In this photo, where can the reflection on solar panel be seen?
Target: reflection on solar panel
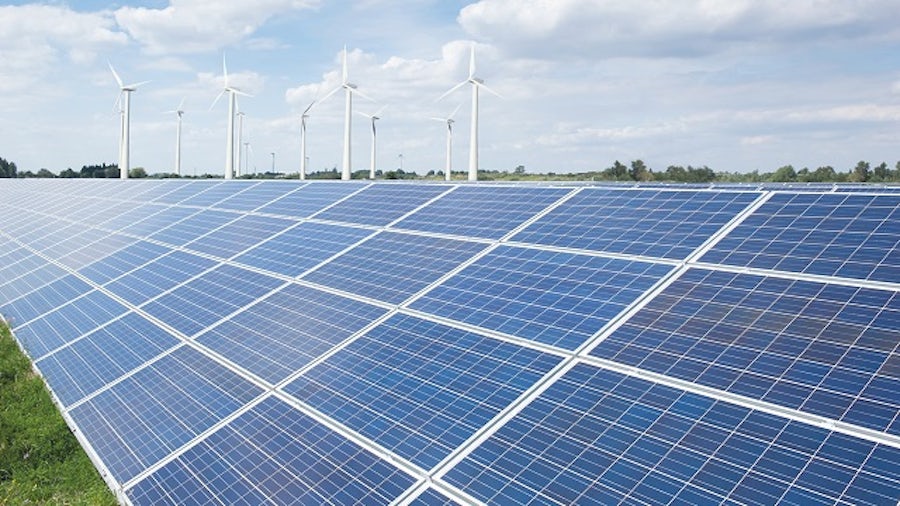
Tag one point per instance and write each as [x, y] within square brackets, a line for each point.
[553, 298]
[656, 223]
[599, 437]
[830, 350]
[846, 235]
[252, 342]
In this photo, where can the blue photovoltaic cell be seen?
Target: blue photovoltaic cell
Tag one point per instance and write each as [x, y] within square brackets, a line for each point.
[310, 199]
[156, 277]
[381, 204]
[185, 190]
[277, 453]
[482, 211]
[103, 356]
[43, 300]
[157, 221]
[549, 297]
[193, 227]
[420, 388]
[825, 349]
[37, 273]
[88, 253]
[239, 235]
[122, 261]
[656, 223]
[431, 497]
[217, 193]
[204, 301]
[126, 215]
[257, 196]
[598, 437]
[302, 248]
[391, 267]
[67, 323]
[286, 331]
[846, 235]
[151, 413]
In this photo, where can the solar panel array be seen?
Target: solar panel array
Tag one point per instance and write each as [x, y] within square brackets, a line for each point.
[250, 342]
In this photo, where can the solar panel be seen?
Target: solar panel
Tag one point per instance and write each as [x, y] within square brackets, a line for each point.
[275, 453]
[248, 342]
[554, 298]
[373, 268]
[829, 350]
[479, 211]
[381, 204]
[420, 388]
[846, 235]
[600, 437]
[656, 223]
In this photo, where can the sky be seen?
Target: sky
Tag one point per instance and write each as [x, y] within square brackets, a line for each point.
[736, 85]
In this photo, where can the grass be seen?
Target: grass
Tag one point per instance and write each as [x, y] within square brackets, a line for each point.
[41, 462]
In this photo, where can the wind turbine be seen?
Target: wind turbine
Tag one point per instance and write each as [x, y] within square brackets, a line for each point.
[125, 126]
[232, 103]
[303, 139]
[373, 117]
[179, 112]
[449, 120]
[476, 83]
[349, 89]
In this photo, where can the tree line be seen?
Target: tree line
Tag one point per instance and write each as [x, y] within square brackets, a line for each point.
[636, 171]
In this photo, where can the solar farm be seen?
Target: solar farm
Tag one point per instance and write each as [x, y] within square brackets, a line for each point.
[275, 342]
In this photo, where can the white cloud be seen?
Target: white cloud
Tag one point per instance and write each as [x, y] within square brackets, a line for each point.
[35, 38]
[654, 28]
[192, 26]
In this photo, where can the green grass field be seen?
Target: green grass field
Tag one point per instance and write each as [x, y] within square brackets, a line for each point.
[41, 462]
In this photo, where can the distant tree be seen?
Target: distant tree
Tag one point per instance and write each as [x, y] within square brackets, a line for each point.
[111, 172]
[785, 174]
[45, 173]
[520, 169]
[8, 169]
[68, 173]
[640, 172]
[860, 173]
[618, 172]
[137, 172]
[675, 173]
[881, 173]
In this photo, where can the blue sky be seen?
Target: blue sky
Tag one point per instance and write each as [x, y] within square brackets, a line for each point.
[736, 85]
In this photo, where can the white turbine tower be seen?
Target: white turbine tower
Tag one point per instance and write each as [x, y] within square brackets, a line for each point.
[303, 118]
[179, 112]
[240, 116]
[373, 117]
[449, 120]
[125, 125]
[232, 102]
[349, 90]
[476, 83]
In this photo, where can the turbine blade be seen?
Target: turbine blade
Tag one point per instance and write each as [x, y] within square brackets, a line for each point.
[345, 73]
[381, 110]
[181, 104]
[438, 119]
[370, 116]
[118, 104]
[239, 92]
[116, 75]
[484, 86]
[330, 93]
[224, 70]
[216, 101]
[136, 85]
[454, 111]
[472, 62]
[309, 107]
[451, 90]
[363, 95]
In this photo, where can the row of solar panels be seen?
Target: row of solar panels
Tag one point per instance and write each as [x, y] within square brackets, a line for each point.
[338, 342]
